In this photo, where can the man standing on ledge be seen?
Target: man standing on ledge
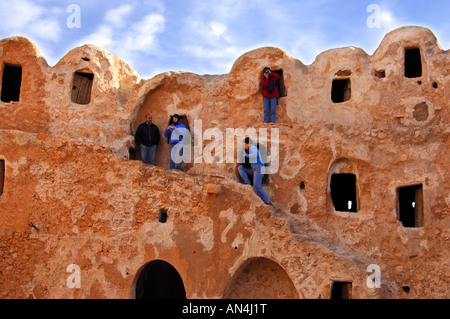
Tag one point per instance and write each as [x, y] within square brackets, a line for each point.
[147, 136]
[270, 94]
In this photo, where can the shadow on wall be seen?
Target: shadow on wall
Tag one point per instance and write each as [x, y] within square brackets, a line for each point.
[261, 278]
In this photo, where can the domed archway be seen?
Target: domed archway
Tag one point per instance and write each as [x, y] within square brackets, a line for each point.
[158, 280]
[261, 278]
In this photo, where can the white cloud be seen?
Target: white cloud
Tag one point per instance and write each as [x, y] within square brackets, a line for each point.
[217, 29]
[119, 35]
[116, 16]
[143, 35]
[29, 19]
[103, 37]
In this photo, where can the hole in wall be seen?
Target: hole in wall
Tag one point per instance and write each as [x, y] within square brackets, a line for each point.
[410, 205]
[11, 83]
[162, 215]
[435, 85]
[380, 74]
[344, 193]
[341, 90]
[413, 63]
[341, 290]
[406, 289]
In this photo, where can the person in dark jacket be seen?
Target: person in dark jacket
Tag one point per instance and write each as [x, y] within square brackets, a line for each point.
[270, 94]
[147, 136]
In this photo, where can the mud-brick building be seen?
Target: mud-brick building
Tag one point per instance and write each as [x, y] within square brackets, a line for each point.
[360, 186]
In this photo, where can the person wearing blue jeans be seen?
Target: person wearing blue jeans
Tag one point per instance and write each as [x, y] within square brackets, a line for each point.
[148, 154]
[176, 155]
[271, 94]
[270, 109]
[175, 133]
[251, 154]
[147, 137]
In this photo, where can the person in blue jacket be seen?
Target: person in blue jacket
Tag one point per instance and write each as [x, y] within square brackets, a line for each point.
[175, 133]
[251, 153]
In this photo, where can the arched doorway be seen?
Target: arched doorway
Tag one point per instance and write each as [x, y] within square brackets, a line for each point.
[159, 280]
[261, 278]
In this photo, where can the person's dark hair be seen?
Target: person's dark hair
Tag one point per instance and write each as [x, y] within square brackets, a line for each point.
[248, 140]
[171, 119]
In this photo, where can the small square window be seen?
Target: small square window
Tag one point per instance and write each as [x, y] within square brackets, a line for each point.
[341, 90]
[344, 193]
[410, 205]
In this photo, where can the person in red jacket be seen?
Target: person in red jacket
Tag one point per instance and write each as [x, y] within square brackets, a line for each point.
[270, 94]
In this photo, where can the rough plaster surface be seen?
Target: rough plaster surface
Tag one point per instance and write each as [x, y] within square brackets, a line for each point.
[72, 196]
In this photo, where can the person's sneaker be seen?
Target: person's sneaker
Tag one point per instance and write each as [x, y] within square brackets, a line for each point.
[269, 203]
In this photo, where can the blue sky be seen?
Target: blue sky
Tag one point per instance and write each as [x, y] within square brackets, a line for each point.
[207, 36]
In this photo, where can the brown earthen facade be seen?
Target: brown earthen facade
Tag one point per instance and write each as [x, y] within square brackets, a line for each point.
[73, 205]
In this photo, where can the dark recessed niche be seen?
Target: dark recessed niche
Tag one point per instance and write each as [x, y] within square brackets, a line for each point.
[162, 215]
[380, 74]
[11, 83]
[344, 193]
[341, 90]
[159, 280]
[341, 290]
[413, 63]
[410, 205]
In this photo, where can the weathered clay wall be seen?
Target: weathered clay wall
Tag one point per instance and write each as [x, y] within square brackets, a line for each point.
[31, 113]
[67, 173]
[101, 214]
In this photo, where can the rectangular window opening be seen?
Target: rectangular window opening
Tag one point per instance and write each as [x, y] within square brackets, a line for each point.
[2, 176]
[341, 290]
[410, 205]
[413, 63]
[344, 193]
[341, 90]
[11, 82]
[82, 87]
